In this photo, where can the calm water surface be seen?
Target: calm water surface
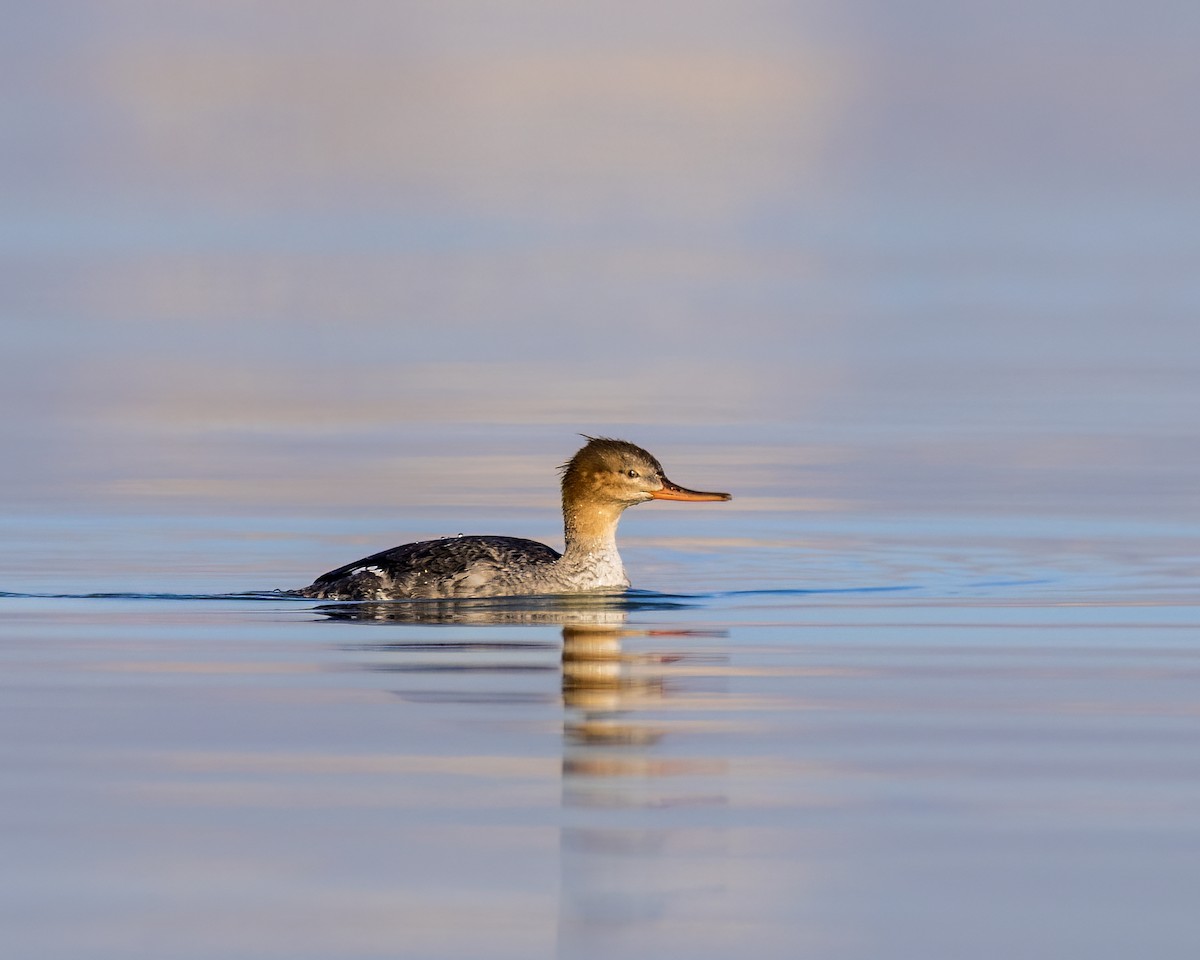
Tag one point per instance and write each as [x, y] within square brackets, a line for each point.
[992, 756]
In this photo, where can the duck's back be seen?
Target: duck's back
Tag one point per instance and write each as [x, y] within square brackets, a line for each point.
[454, 567]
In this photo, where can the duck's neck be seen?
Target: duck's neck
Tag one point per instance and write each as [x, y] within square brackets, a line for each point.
[590, 560]
[590, 528]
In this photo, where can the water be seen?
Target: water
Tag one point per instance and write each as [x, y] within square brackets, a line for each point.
[281, 288]
[963, 766]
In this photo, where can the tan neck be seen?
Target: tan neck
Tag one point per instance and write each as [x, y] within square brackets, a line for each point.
[591, 527]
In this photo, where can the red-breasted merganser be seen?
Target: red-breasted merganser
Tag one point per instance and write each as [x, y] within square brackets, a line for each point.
[598, 483]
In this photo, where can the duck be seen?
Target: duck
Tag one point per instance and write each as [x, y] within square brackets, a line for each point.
[599, 483]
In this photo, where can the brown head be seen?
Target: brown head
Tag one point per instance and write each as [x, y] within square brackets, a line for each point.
[607, 471]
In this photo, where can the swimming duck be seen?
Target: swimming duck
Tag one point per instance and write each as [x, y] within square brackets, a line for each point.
[604, 478]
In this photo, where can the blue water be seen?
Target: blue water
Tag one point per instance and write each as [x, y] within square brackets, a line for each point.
[841, 730]
[986, 773]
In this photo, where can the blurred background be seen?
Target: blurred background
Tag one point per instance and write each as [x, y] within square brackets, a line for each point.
[338, 264]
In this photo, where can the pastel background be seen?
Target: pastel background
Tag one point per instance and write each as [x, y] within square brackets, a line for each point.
[291, 256]
[285, 283]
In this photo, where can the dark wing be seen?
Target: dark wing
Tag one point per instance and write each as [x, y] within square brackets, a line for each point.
[415, 568]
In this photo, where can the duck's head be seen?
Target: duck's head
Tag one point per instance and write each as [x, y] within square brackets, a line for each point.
[614, 471]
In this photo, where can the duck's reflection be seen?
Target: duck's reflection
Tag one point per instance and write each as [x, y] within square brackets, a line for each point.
[601, 684]
[601, 609]
[623, 787]
[633, 803]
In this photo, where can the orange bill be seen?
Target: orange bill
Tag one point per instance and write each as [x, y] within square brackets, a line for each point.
[670, 491]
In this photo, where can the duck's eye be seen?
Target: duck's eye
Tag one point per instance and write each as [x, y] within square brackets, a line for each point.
[632, 474]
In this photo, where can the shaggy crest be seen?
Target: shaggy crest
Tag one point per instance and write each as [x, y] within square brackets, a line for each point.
[608, 453]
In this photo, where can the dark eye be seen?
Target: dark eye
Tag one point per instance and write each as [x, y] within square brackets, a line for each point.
[632, 474]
